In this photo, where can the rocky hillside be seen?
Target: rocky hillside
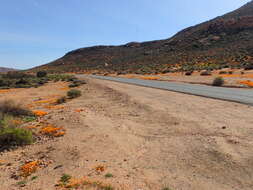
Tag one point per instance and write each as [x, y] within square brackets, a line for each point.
[4, 69]
[226, 41]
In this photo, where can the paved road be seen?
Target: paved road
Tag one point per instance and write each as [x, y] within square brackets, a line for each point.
[244, 96]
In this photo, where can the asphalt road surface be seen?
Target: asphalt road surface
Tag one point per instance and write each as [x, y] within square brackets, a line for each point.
[239, 95]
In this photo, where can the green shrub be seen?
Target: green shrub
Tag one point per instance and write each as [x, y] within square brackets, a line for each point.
[10, 136]
[28, 119]
[6, 121]
[108, 175]
[41, 74]
[74, 93]
[218, 81]
[65, 178]
[11, 108]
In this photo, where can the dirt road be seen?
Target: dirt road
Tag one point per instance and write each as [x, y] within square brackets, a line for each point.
[148, 139]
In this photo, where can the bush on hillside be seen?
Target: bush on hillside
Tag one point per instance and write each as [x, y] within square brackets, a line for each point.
[41, 74]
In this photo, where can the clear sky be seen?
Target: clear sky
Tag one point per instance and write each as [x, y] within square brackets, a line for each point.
[35, 32]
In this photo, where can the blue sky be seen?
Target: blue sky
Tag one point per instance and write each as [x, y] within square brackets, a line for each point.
[35, 32]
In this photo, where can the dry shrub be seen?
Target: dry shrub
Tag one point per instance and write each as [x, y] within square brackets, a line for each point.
[188, 73]
[218, 81]
[61, 100]
[11, 108]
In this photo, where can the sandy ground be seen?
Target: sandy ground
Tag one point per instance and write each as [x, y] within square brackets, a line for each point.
[147, 138]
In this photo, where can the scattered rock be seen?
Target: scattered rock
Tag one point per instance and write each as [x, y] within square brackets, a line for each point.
[57, 167]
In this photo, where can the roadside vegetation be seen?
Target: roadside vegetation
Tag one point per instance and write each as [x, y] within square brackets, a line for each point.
[17, 79]
[74, 93]
[218, 81]
[11, 116]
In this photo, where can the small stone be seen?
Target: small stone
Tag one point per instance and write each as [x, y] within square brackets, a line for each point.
[59, 166]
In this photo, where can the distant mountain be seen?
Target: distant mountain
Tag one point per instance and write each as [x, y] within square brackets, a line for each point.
[4, 69]
[224, 41]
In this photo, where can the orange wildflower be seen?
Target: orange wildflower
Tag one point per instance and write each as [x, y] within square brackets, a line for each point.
[79, 110]
[51, 130]
[40, 113]
[4, 91]
[247, 83]
[59, 134]
[29, 168]
[150, 78]
[100, 168]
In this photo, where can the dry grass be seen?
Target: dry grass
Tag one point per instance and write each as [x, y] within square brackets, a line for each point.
[11, 108]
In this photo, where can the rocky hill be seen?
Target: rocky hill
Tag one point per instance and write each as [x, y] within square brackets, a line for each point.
[226, 41]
